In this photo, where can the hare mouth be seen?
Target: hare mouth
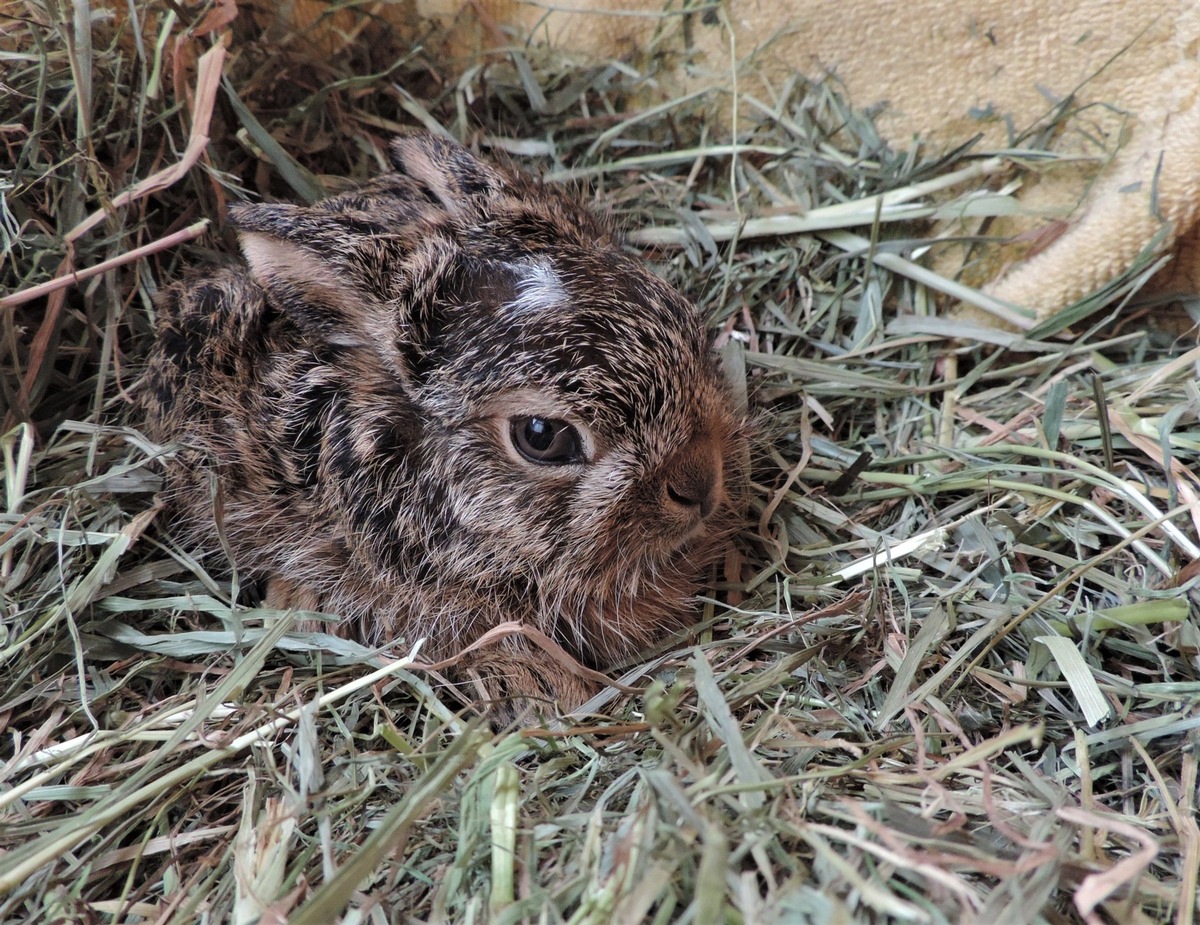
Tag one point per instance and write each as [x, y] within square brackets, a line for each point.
[678, 551]
[688, 535]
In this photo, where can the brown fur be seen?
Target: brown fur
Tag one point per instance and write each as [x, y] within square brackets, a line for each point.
[351, 392]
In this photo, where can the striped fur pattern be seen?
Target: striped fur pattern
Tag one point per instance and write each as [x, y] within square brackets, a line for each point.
[346, 404]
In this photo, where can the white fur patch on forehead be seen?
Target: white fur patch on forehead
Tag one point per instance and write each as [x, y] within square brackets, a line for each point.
[539, 287]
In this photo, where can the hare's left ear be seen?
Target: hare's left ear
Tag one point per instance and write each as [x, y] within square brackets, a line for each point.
[448, 173]
[339, 283]
[300, 257]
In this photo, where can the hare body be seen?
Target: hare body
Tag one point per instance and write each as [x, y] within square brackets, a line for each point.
[444, 401]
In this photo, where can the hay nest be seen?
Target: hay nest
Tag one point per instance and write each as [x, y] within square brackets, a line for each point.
[950, 675]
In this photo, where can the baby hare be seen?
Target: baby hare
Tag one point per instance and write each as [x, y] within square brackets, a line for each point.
[444, 401]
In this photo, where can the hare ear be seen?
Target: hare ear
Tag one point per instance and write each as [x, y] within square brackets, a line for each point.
[342, 287]
[286, 243]
[447, 172]
[293, 254]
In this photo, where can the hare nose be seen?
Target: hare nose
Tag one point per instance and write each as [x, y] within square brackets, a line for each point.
[695, 478]
[694, 493]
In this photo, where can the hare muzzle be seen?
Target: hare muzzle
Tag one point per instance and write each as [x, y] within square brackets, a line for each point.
[694, 483]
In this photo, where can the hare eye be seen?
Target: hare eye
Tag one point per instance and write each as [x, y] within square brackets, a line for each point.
[546, 441]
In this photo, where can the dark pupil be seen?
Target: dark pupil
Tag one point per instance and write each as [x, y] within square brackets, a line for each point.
[546, 441]
[539, 434]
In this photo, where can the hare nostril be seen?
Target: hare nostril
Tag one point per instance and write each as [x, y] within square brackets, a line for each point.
[681, 498]
[693, 479]
[693, 495]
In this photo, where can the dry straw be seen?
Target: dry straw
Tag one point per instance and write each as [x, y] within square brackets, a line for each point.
[950, 675]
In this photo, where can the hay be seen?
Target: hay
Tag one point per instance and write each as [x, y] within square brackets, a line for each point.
[950, 675]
